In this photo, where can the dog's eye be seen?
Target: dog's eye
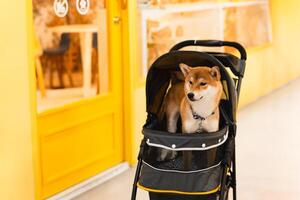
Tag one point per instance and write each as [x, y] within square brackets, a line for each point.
[203, 84]
[191, 82]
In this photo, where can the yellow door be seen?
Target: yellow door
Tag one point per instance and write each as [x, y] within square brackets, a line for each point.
[80, 136]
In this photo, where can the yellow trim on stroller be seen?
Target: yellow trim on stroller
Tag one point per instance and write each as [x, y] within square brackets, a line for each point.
[178, 192]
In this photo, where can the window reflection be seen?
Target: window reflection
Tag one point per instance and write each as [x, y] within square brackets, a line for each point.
[67, 49]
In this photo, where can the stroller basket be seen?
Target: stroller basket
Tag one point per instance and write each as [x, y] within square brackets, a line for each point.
[162, 169]
[169, 176]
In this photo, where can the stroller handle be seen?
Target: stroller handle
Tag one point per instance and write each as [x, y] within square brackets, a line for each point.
[211, 43]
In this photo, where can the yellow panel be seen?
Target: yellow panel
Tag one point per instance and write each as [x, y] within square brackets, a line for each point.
[77, 112]
[73, 154]
[76, 147]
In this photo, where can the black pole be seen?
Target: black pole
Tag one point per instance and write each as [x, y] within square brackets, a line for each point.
[223, 183]
[234, 154]
[136, 179]
[138, 169]
[238, 88]
[234, 175]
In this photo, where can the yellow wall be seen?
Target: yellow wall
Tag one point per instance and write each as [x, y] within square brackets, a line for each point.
[273, 65]
[268, 67]
[16, 103]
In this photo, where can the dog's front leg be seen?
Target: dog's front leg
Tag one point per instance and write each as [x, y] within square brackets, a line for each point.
[172, 118]
[163, 154]
[187, 155]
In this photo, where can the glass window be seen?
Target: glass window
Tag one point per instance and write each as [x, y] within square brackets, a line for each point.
[248, 24]
[164, 23]
[71, 50]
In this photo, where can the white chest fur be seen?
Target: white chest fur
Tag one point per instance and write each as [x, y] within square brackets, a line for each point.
[197, 125]
[205, 109]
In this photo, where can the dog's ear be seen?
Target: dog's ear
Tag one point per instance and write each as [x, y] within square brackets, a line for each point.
[184, 69]
[215, 72]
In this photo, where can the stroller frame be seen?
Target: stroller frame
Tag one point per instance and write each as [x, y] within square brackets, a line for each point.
[228, 177]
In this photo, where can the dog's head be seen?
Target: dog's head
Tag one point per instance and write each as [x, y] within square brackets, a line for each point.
[201, 82]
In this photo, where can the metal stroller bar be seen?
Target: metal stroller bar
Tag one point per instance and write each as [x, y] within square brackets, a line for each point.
[211, 43]
[138, 169]
[233, 156]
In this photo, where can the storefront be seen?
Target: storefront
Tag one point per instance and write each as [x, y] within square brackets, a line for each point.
[74, 114]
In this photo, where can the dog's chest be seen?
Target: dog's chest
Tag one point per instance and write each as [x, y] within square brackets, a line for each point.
[198, 125]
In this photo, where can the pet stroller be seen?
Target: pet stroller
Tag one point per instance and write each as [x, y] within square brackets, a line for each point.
[213, 170]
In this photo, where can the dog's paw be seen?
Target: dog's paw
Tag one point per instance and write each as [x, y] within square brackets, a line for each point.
[172, 155]
[163, 155]
[159, 159]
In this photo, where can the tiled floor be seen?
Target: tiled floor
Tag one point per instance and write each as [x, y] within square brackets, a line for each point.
[268, 158]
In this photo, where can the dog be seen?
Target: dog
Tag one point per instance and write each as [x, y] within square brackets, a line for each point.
[199, 109]
[193, 94]
[202, 89]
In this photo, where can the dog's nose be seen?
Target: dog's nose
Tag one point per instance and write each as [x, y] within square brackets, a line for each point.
[190, 95]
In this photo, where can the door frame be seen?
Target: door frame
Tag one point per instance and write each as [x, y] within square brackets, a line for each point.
[33, 102]
[130, 65]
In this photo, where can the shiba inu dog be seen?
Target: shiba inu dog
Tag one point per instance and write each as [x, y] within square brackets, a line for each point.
[195, 97]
